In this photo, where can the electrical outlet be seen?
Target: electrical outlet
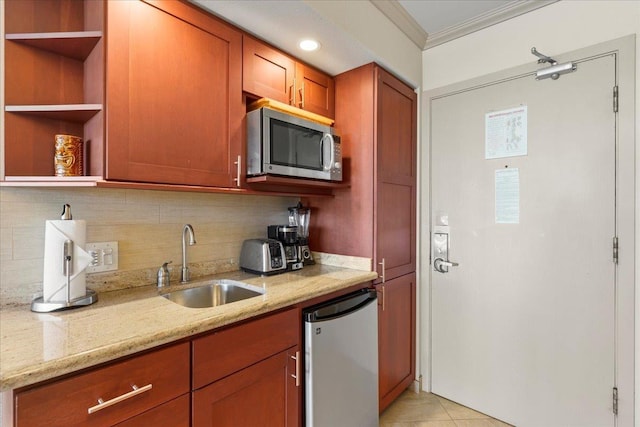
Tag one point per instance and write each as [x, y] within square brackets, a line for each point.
[105, 256]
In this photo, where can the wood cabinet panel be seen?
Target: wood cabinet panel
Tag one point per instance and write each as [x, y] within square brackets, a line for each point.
[315, 91]
[266, 72]
[176, 413]
[396, 337]
[175, 109]
[376, 115]
[40, 77]
[44, 16]
[396, 176]
[227, 351]
[264, 394]
[166, 370]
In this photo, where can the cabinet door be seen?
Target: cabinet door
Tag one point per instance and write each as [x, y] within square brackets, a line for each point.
[267, 72]
[396, 337]
[264, 394]
[395, 177]
[315, 91]
[174, 95]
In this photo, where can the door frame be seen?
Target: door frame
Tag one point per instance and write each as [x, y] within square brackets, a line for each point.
[626, 212]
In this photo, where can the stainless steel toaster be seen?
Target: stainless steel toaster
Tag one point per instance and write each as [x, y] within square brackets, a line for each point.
[263, 256]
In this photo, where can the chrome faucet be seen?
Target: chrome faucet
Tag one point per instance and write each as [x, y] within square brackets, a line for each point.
[192, 241]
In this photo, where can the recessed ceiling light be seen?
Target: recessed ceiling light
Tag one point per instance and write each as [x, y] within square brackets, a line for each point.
[309, 45]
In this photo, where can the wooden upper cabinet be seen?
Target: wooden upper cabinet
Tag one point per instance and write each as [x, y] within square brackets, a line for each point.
[396, 176]
[174, 95]
[376, 116]
[315, 91]
[269, 73]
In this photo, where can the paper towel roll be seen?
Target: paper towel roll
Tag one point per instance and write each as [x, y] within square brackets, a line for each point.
[54, 285]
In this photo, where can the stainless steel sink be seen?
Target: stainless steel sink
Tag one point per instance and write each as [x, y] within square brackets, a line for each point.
[214, 293]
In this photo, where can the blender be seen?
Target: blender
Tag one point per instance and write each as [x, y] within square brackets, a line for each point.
[299, 216]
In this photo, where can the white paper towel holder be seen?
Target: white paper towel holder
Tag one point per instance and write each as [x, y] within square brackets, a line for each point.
[39, 304]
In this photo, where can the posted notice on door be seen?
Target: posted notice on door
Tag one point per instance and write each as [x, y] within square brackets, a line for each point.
[507, 196]
[506, 133]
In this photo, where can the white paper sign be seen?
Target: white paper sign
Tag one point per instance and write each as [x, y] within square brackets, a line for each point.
[506, 133]
[507, 196]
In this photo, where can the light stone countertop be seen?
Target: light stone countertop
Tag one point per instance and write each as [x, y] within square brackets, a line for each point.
[36, 347]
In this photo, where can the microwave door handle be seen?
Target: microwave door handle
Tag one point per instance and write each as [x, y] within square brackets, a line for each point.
[332, 158]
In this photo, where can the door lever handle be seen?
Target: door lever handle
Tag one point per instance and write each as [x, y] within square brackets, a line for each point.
[442, 266]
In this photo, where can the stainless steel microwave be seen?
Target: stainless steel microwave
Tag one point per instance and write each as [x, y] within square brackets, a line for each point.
[282, 144]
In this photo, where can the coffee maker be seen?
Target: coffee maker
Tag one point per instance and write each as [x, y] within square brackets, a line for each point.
[288, 235]
[299, 217]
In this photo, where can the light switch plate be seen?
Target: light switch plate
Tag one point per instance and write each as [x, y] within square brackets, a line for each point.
[105, 256]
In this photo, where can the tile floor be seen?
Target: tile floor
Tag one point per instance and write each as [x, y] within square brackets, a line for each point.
[428, 410]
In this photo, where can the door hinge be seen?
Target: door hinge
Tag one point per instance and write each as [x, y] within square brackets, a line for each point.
[615, 99]
[615, 400]
[615, 250]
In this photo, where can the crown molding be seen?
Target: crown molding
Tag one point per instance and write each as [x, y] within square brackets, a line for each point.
[397, 14]
[394, 11]
[492, 17]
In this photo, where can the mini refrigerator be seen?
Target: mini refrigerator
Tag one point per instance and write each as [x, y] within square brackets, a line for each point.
[341, 361]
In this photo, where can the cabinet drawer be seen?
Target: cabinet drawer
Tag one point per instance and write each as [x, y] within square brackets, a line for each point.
[159, 376]
[222, 353]
[171, 414]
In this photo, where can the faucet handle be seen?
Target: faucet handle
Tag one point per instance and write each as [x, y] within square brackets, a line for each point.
[163, 275]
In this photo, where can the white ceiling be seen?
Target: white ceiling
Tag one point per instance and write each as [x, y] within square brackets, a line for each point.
[426, 22]
[437, 15]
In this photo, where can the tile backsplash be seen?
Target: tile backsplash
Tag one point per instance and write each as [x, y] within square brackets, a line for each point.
[147, 225]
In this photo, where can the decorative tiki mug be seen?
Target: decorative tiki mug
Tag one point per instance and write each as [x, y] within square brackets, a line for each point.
[68, 157]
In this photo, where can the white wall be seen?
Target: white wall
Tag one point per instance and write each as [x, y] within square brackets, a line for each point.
[560, 27]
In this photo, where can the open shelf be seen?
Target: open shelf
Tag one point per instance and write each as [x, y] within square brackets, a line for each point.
[79, 113]
[50, 181]
[54, 84]
[293, 185]
[76, 44]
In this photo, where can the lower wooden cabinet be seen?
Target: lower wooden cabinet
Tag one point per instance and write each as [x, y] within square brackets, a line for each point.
[249, 375]
[396, 337]
[264, 394]
[109, 395]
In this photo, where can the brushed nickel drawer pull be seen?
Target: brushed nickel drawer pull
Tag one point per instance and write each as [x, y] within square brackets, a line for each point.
[238, 163]
[136, 391]
[297, 374]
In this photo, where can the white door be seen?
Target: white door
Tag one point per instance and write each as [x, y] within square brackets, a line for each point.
[523, 328]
